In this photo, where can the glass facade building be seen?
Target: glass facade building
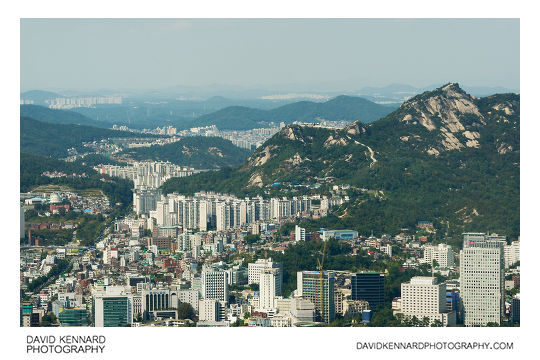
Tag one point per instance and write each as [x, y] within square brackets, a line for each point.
[368, 286]
[309, 287]
[73, 317]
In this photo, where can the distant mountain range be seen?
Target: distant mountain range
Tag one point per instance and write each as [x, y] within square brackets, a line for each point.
[187, 106]
[443, 156]
[341, 108]
[347, 108]
[53, 116]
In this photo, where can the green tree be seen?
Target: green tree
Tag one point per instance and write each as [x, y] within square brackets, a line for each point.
[48, 320]
[185, 311]
[252, 238]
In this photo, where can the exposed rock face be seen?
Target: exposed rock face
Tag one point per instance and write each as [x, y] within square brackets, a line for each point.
[471, 135]
[296, 159]
[436, 122]
[335, 141]
[355, 129]
[504, 148]
[503, 107]
[215, 151]
[449, 141]
[449, 111]
[255, 180]
[261, 158]
[290, 133]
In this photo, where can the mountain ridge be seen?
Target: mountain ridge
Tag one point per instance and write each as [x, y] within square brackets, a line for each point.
[200, 152]
[343, 107]
[443, 155]
[55, 116]
[50, 139]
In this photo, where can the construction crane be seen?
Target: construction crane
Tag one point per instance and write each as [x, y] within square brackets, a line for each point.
[320, 263]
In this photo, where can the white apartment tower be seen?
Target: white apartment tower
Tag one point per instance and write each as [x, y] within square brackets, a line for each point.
[299, 233]
[442, 253]
[482, 280]
[223, 216]
[269, 282]
[255, 269]
[203, 216]
[511, 254]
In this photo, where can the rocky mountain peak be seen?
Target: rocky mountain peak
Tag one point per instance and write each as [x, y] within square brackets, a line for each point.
[450, 113]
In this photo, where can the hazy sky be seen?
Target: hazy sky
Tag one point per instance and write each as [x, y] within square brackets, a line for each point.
[335, 54]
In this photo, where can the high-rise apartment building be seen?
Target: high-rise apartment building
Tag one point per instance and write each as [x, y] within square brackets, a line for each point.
[299, 233]
[511, 254]
[255, 269]
[145, 200]
[442, 253]
[268, 283]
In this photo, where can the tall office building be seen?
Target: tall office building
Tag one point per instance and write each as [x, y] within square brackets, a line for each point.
[269, 282]
[309, 287]
[255, 269]
[368, 286]
[214, 285]
[482, 279]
